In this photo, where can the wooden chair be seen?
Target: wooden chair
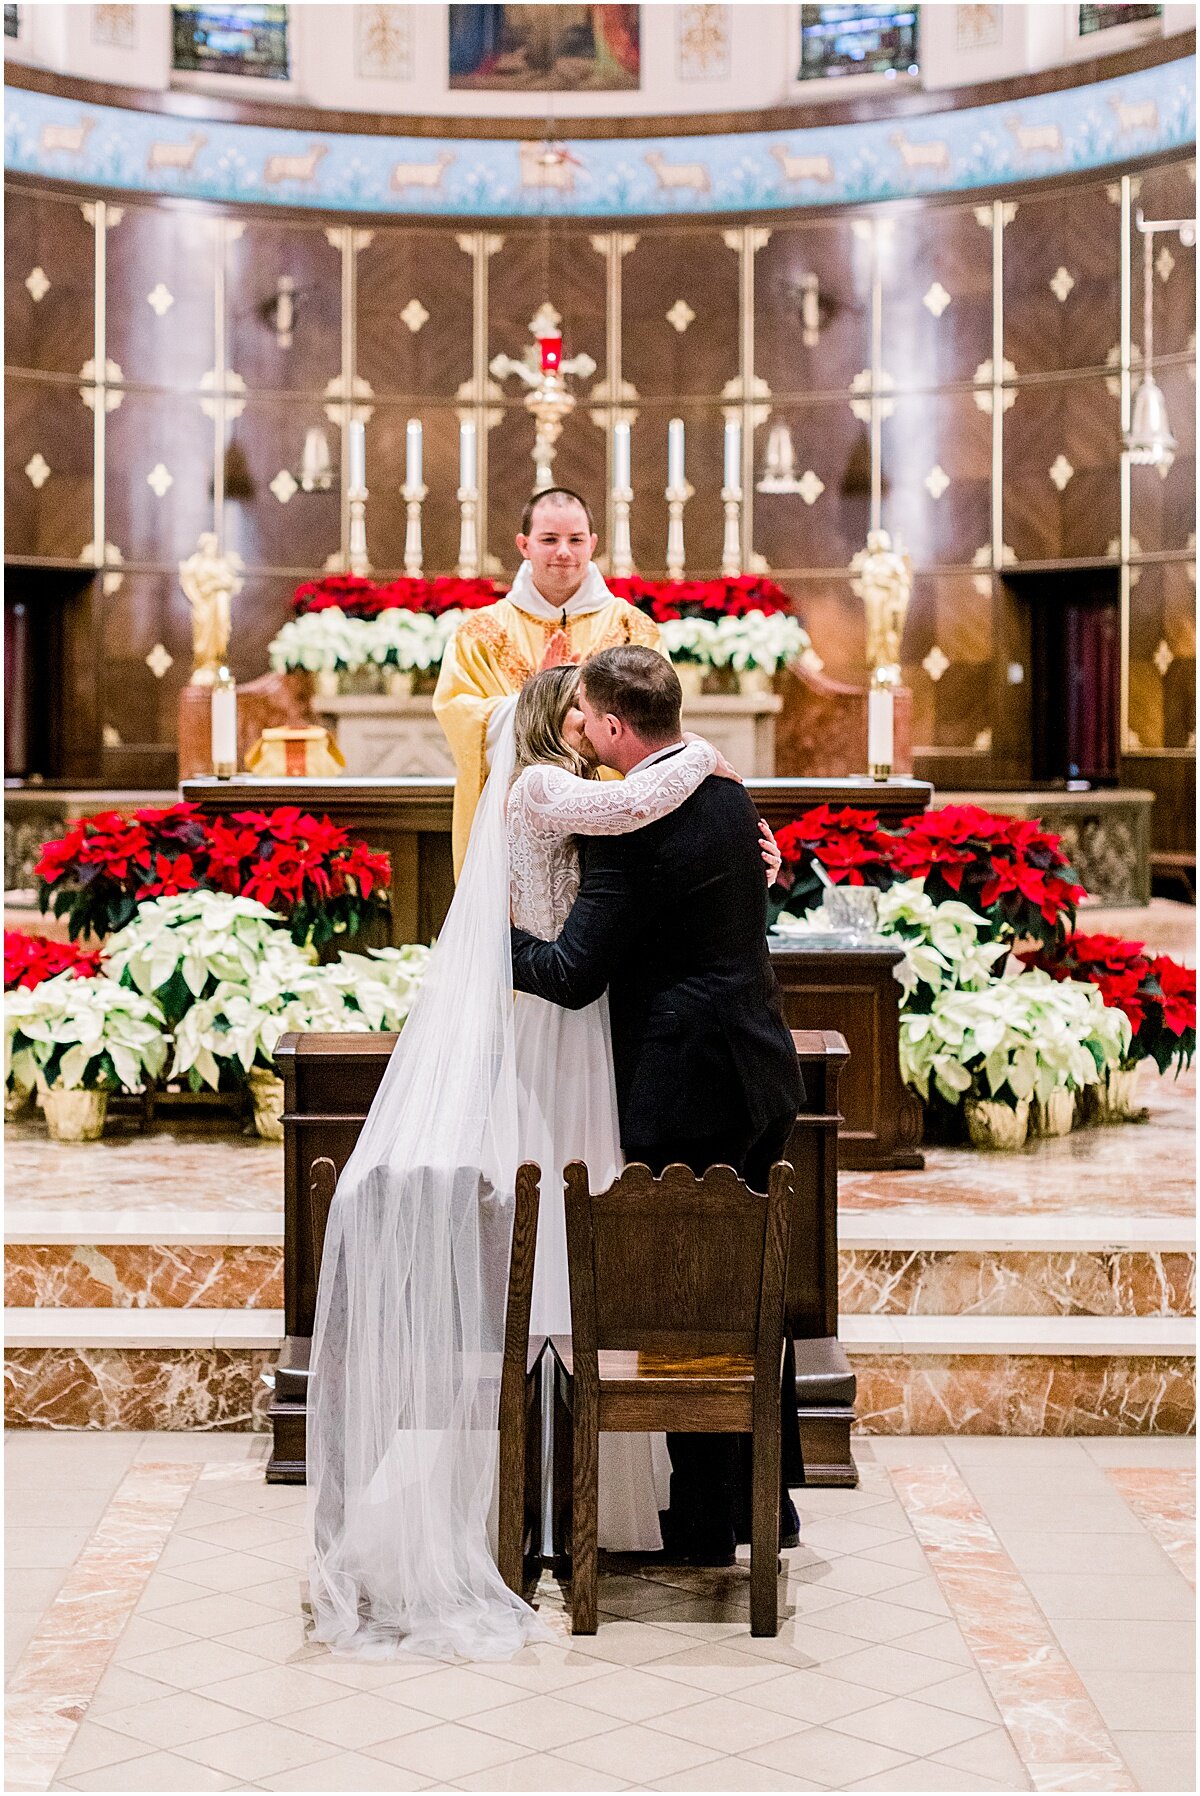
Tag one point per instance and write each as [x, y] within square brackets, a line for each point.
[677, 1293]
[519, 1475]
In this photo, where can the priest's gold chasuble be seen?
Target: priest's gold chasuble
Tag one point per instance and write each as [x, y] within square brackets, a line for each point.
[490, 657]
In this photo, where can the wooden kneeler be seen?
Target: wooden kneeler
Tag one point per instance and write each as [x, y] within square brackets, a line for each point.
[519, 1474]
[677, 1297]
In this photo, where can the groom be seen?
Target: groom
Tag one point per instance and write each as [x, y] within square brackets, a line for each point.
[671, 921]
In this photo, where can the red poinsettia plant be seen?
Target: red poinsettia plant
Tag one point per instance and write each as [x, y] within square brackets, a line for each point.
[1008, 869]
[665, 600]
[28, 959]
[306, 868]
[359, 597]
[1157, 994]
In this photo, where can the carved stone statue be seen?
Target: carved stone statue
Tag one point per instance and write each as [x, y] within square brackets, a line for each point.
[209, 581]
[884, 585]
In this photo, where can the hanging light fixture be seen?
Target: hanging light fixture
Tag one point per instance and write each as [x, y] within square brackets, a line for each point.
[1148, 441]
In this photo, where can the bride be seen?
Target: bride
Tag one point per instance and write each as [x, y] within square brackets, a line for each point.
[403, 1396]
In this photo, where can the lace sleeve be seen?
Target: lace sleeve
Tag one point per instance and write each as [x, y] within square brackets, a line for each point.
[557, 803]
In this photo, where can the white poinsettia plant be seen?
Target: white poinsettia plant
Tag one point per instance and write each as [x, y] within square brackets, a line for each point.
[1023, 1036]
[945, 945]
[759, 639]
[70, 1034]
[180, 948]
[380, 984]
[331, 642]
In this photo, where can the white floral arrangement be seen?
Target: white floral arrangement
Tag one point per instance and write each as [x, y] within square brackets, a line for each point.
[203, 938]
[945, 945]
[380, 984]
[1022, 1037]
[759, 639]
[70, 1034]
[331, 642]
[239, 1026]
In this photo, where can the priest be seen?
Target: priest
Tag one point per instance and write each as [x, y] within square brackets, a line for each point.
[557, 610]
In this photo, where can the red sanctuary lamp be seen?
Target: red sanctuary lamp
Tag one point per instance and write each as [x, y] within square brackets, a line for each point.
[551, 352]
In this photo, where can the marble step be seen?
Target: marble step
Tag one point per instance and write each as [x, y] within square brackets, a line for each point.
[905, 1261]
[188, 1369]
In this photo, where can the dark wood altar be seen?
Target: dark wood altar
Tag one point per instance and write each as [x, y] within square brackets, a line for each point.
[329, 1082]
[410, 819]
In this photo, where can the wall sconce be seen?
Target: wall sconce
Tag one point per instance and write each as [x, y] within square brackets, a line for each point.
[316, 466]
[1148, 441]
[280, 312]
[779, 474]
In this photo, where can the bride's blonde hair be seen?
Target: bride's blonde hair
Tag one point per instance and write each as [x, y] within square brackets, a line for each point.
[542, 707]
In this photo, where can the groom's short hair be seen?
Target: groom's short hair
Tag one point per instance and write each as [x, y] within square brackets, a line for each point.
[639, 686]
[559, 494]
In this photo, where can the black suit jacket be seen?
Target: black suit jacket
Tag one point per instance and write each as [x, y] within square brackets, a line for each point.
[671, 920]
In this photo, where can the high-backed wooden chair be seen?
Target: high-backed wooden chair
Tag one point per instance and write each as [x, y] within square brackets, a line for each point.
[677, 1294]
[519, 1475]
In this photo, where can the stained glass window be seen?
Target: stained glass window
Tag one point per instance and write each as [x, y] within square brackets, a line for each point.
[857, 40]
[1103, 18]
[12, 21]
[231, 40]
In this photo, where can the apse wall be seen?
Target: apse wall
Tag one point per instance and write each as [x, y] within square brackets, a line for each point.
[951, 364]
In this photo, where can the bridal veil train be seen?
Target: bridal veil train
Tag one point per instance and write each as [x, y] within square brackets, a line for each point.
[409, 1333]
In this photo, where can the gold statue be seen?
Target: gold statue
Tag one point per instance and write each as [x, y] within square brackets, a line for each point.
[884, 585]
[209, 581]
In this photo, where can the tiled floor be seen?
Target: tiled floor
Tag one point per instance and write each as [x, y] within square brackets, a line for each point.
[980, 1614]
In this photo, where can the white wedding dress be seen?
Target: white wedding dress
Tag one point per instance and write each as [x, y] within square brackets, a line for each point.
[408, 1334]
[566, 1095]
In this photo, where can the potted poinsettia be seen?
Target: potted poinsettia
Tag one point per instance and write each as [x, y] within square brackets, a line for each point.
[75, 1041]
[230, 1035]
[180, 949]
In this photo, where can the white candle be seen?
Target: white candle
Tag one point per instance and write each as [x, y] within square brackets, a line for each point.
[466, 453]
[357, 472]
[675, 474]
[621, 477]
[412, 465]
[733, 455]
[879, 726]
[224, 723]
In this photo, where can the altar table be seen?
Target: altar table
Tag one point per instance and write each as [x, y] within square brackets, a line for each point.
[410, 819]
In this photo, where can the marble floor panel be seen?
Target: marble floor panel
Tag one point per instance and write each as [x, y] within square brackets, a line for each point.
[921, 1646]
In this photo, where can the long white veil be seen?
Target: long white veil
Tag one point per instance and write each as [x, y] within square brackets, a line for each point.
[409, 1333]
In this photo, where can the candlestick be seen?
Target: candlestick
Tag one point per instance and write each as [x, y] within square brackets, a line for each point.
[733, 454]
[731, 548]
[881, 723]
[621, 458]
[413, 552]
[356, 456]
[622, 550]
[413, 456]
[360, 561]
[675, 473]
[224, 725]
[676, 497]
[466, 453]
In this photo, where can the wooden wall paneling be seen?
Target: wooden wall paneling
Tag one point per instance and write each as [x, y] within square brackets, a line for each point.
[387, 517]
[1012, 686]
[1167, 192]
[834, 618]
[159, 476]
[400, 275]
[269, 521]
[255, 260]
[161, 274]
[1172, 779]
[951, 680]
[1162, 507]
[936, 275]
[936, 464]
[1058, 245]
[49, 420]
[139, 696]
[1078, 421]
[786, 355]
[556, 263]
[1162, 655]
[668, 267]
[703, 517]
[816, 528]
[48, 321]
[260, 610]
